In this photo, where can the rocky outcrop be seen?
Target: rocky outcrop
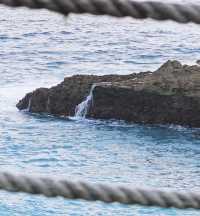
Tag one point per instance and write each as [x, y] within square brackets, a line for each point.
[169, 95]
[62, 99]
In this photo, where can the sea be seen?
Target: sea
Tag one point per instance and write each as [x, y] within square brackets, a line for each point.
[38, 49]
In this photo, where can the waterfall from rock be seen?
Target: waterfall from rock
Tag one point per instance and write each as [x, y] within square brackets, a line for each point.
[83, 108]
[29, 105]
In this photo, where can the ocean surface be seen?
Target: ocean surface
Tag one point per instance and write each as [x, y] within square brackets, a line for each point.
[39, 48]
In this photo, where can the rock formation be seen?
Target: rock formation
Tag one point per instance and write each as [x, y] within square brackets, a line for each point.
[169, 95]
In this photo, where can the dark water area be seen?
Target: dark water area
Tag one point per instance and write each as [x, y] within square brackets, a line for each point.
[40, 49]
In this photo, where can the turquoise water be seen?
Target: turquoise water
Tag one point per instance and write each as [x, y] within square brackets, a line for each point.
[40, 49]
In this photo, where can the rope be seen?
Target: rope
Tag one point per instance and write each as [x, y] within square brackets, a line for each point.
[119, 8]
[107, 193]
[92, 192]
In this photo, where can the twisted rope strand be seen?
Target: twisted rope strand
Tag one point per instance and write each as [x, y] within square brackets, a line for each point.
[106, 193]
[50, 187]
[119, 8]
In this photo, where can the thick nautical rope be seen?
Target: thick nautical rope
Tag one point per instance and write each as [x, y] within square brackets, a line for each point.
[52, 187]
[181, 13]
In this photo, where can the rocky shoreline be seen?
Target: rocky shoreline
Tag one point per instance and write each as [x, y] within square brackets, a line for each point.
[169, 95]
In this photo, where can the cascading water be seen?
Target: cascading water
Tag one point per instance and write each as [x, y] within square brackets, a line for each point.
[29, 105]
[83, 108]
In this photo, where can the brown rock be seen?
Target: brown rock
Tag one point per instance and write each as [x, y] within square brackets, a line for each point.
[170, 95]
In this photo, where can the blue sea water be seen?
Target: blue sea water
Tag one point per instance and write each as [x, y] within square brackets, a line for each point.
[40, 49]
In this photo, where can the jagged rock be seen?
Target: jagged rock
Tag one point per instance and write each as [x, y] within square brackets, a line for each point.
[170, 95]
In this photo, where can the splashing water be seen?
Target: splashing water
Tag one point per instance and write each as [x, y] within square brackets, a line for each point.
[29, 105]
[82, 108]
